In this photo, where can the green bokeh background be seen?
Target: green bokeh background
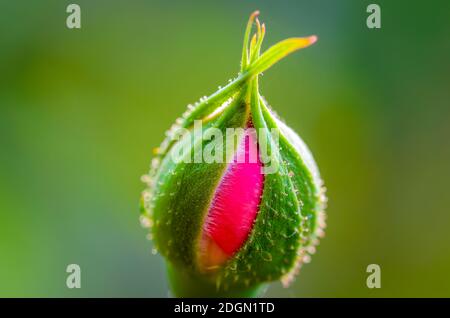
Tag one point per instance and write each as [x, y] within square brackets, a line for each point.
[80, 111]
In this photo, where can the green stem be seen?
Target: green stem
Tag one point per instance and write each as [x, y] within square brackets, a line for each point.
[186, 284]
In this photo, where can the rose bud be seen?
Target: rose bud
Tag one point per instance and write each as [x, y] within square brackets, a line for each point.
[234, 198]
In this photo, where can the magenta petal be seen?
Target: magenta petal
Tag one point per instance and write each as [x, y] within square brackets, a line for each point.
[236, 201]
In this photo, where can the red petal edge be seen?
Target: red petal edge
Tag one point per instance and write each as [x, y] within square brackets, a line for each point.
[235, 204]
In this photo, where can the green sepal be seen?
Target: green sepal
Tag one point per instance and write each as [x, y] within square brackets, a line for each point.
[183, 192]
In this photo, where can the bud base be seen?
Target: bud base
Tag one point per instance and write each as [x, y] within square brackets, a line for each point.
[184, 283]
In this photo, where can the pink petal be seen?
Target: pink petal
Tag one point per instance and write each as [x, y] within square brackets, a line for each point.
[235, 204]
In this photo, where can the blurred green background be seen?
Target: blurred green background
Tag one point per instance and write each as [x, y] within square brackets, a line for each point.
[80, 111]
